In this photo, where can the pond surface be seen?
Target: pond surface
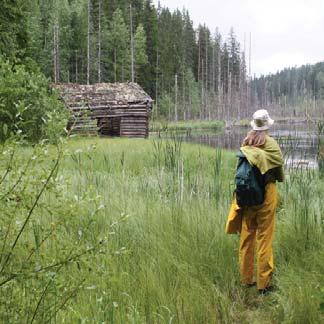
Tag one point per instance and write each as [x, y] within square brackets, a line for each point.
[299, 142]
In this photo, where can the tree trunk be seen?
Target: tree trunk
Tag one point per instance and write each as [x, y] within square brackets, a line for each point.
[202, 92]
[176, 98]
[132, 45]
[99, 42]
[115, 64]
[207, 77]
[76, 66]
[183, 95]
[250, 55]
[157, 85]
[199, 54]
[56, 53]
[229, 90]
[214, 69]
[88, 44]
[219, 71]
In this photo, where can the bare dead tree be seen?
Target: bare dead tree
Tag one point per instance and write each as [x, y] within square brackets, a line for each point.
[176, 98]
[88, 42]
[250, 55]
[99, 41]
[207, 77]
[219, 86]
[199, 58]
[56, 52]
[132, 43]
[202, 90]
[76, 66]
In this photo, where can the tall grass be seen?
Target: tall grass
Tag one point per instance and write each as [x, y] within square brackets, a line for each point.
[320, 148]
[161, 206]
[188, 126]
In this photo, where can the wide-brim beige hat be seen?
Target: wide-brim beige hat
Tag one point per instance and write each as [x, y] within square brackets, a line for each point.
[261, 120]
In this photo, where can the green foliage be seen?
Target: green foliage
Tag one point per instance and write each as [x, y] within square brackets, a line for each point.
[119, 40]
[140, 47]
[165, 106]
[27, 105]
[212, 74]
[188, 106]
[149, 20]
[320, 84]
[34, 29]
[165, 45]
[48, 248]
[13, 33]
[191, 103]
[320, 148]
[292, 85]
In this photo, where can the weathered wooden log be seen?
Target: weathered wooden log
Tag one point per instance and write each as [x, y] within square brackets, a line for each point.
[110, 109]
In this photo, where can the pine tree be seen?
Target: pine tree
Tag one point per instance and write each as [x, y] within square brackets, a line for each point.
[147, 73]
[13, 31]
[34, 31]
[87, 41]
[119, 46]
[78, 44]
[141, 58]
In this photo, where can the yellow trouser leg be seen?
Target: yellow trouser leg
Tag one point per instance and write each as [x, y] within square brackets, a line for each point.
[258, 227]
[247, 246]
[266, 221]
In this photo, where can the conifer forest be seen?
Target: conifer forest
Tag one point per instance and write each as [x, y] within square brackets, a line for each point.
[192, 73]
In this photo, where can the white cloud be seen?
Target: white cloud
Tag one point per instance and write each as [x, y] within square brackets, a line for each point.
[284, 32]
[278, 62]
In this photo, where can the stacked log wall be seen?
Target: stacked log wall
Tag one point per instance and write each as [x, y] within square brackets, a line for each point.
[134, 126]
[94, 112]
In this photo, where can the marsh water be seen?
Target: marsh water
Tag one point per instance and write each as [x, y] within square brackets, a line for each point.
[299, 142]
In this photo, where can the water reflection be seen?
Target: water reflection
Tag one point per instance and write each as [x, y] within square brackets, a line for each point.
[299, 142]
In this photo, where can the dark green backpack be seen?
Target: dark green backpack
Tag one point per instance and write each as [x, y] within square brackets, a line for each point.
[249, 182]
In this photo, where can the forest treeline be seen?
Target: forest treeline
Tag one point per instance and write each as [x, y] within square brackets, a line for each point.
[293, 88]
[192, 73]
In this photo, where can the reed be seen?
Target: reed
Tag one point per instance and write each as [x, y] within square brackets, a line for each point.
[188, 126]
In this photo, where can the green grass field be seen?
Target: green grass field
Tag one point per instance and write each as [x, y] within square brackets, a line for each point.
[132, 231]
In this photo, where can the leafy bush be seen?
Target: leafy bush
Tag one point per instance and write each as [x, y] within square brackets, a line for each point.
[27, 104]
[48, 247]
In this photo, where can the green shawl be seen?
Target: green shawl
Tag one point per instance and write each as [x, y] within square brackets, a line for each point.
[266, 157]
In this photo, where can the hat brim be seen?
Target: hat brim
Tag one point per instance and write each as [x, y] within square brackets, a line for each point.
[269, 123]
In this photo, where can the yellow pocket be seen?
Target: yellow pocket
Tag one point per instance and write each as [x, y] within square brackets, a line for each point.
[234, 219]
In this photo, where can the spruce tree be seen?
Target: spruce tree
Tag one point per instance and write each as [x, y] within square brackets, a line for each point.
[118, 39]
[13, 28]
[141, 58]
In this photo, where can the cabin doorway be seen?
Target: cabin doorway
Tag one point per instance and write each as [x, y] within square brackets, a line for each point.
[109, 126]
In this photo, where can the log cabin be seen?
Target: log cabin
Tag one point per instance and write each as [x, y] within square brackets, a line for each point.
[107, 109]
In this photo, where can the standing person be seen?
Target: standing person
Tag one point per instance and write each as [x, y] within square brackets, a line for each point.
[257, 222]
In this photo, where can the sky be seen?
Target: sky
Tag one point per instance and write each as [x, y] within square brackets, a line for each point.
[284, 33]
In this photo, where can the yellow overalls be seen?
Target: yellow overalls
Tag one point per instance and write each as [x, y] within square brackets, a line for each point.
[256, 224]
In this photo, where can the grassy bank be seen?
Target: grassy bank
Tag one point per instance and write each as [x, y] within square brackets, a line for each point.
[190, 125]
[132, 231]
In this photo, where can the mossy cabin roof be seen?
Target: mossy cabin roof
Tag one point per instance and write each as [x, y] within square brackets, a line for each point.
[118, 93]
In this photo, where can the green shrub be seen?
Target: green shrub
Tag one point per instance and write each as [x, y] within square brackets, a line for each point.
[27, 104]
[49, 239]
